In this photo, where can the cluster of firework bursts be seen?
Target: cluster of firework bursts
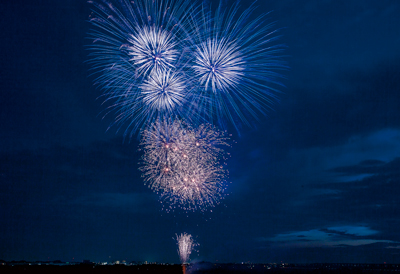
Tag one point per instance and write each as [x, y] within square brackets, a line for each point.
[173, 71]
[169, 70]
[170, 59]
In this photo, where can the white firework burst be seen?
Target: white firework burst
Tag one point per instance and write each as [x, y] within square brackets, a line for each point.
[218, 64]
[132, 42]
[235, 65]
[225, 65]
[163, 91]
[152, 49]
[186, 245]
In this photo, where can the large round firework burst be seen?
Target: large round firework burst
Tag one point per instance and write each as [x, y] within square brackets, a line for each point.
[236, 63]
[138, 45]
[153, 50]
[184, 164]
[163, 91]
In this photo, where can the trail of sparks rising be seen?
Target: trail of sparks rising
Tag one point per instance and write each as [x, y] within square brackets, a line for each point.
[186, 245]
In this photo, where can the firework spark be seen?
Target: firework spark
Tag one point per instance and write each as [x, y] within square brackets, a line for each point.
[184, 164]
[197, 187]
[235, 64]
[219, 64]
[137, 54]
[186, 245]
[168, 59]
[152, 49]
[163, 91]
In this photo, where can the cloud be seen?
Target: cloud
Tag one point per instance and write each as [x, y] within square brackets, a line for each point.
[132, 202]
[93, 166]
[96, 174]
[356, 103]
[357, 181]
[371, 150]
[353, 230]
[349, 235]
[361, 156]
[372, 199]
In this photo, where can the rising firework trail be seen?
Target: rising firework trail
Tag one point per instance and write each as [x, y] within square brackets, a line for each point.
[186, 245]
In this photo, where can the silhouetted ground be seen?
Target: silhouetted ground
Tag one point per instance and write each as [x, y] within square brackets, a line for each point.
[309, 269]
[202, 268]
[90, 269]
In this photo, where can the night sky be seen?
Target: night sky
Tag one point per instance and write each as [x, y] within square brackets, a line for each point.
[318, 180]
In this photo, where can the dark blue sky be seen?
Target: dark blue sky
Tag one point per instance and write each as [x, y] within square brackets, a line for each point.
[317, 181]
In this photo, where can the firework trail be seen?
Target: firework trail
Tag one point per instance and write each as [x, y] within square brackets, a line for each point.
[235, 64]
[184, 164]
[186, 245]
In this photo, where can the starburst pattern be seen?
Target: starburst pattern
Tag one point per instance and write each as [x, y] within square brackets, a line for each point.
[170, 59]
[197, 187]
[236, 63]
[164, 91]
[171, 70]
[218, 64]
[185, 165]
[138, 57]
[152, 50]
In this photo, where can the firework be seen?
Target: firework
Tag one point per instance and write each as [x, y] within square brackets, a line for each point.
[184, 164]
[186, 245]
[164, 149]
[197, 187]
[163, 91]
[152, 49]
[167, 59]
[235, 65]
[138, 57]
